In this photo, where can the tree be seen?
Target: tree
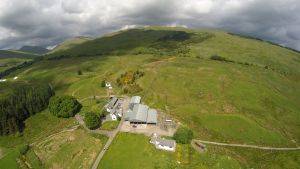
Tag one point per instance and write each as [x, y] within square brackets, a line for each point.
[20, 100]
[79, 72]
[64, 106]
[23, 149]
[91, 120]
[103, 83]
[183, 135]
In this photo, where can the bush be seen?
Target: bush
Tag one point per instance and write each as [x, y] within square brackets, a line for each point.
[183, 135]
[217, 57]
[79, 72]
[64, 106]
[91, 120]
[103, 83]
[23, 149]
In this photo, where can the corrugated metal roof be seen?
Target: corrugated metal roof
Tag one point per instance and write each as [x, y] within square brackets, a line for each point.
[166, 143]
[135, 100]
[112, 102]
[140, 111]
[129, 115]
[152, 116]
[141, 114]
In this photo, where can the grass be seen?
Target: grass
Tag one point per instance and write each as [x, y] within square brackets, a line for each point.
[109, 125]
[9, 161]
[241, 128]
[10, 62]
[30, 159]
[69, 149]
[16, 54]
[127, 147]
[253, 158]
[38, 128]
[70, 43]
[138, 148]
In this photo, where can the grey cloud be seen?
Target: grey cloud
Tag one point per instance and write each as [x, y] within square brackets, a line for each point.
[46, 23]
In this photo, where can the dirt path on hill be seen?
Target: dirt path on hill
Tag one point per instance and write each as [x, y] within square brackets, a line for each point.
[249, 146]
[108, 143]
[92, 97]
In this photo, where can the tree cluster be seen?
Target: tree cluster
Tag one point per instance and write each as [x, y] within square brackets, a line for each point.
[91, 120]
[22, 101]
[183, 135]
[64, 106]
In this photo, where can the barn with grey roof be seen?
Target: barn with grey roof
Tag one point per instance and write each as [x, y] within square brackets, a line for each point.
[140, 113]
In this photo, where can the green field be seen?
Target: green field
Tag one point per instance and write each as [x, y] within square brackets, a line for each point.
[71, 149]
[10, 62]
[109, 125]
[16, 54]
[252, 98]
[139, 153]
[53, 145]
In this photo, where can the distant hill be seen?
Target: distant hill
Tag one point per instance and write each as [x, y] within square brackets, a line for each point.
[34, 49]
[16, 54]
[70, 43]
[135, 41]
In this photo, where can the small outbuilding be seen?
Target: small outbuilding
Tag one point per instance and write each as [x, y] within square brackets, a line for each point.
[163, 144]
[111, 104]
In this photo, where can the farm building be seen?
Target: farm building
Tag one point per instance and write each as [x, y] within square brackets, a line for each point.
[111, 104]
[134, 100]
[141, 114]
[114, 106]
[163, 144]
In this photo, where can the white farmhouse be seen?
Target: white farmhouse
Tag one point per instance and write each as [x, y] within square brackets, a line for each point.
[163, 144]
[107, 84]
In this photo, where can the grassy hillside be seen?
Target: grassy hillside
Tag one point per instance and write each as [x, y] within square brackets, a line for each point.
[34, 49]
[6, 63]
[53, 144]
[70, 43]
[252, 96]
[16, 54]
[136, 41]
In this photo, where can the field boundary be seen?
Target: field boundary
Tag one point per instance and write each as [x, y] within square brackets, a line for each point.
[249, 146]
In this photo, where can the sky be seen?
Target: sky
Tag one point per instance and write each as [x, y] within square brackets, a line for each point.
[49, 22]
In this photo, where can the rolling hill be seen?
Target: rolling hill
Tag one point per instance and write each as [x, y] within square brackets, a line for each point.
[224, 87]
[34, 49]
[16, 54]
[70, 43]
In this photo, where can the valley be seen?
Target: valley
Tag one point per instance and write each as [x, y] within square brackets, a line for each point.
[250, 98]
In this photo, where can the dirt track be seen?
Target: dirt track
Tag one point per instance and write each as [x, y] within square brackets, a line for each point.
[250, 146]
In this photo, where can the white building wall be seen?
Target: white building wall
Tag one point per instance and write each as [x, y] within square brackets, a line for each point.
[165, 148]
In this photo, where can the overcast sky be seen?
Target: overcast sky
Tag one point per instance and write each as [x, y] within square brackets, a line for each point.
[48, 22]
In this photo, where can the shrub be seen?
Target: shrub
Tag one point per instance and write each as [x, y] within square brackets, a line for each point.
[103, 83]
[23, 149]
[79, 72]
[183, 135]
[64, 106]
[217, 57]
[91, 120]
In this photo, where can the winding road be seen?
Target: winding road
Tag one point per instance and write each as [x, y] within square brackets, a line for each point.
[108, 143]
[249, 146]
